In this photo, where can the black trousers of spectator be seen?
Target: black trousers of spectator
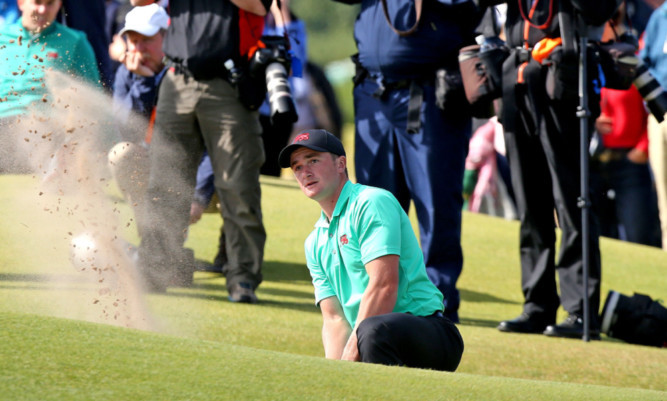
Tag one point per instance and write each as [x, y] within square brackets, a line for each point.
[428, 342]
[542, 137]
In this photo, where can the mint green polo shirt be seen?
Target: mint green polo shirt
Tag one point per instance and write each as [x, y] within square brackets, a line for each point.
[24, 59]
[368, 223]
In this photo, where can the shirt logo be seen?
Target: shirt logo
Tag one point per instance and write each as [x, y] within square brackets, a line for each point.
[301, 137]
[343, 239]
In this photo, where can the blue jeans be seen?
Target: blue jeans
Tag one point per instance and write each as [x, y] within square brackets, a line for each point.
[425, 167]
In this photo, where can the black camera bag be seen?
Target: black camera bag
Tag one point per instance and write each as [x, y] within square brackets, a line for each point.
[481, 73]
[636, 320]
[619, 64]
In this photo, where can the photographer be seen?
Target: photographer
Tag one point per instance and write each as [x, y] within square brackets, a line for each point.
[542, 136]
[408, 140]
[623, 193]
[198, 109]
[654, 55]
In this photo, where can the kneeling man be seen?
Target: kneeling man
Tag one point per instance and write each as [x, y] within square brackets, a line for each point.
[377, 302]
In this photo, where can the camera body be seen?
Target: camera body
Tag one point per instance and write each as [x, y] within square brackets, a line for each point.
[271, 63]
[652, 92]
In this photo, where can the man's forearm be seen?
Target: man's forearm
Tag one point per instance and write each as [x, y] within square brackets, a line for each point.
[252, 6]
[335, 334]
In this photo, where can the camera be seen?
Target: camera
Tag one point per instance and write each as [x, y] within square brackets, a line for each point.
[650, 89]
[272, 62]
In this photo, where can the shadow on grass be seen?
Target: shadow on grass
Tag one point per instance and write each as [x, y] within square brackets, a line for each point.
[220, 295]
[474, 296]
[281, 272]
[478, 322]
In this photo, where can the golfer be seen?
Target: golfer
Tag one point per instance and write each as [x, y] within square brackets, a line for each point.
[377, 303]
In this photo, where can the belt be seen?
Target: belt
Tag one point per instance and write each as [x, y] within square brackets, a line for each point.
[179, 68]
[416, 96]
[613, 154]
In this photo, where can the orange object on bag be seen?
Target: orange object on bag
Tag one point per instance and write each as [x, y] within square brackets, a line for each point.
[544, 47]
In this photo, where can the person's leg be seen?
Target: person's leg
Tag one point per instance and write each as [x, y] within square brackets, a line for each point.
[657, 142]
[433, 160]
[376, 160]
[401, 339]
[533, 194]
[174, 153]
[560, 137]
[636, 205]
[532, 190]
[233, 139]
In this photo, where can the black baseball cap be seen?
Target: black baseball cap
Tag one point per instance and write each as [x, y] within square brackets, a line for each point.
[316, 139]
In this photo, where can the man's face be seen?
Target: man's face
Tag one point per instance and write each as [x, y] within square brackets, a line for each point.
[319, 174]
[38, 14]
[148, 47]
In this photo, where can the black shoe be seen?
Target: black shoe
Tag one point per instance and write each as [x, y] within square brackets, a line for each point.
[572, 327]
[242, 293]
[524, 324]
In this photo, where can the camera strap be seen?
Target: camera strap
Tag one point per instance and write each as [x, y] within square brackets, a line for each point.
[418, 13]
[414, 107]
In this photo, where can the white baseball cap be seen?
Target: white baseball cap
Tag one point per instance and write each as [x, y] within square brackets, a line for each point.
[146, 20]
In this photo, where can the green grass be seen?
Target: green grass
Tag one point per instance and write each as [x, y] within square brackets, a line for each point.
[57, 343]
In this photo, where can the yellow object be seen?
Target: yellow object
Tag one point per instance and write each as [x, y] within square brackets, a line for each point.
[544, 47]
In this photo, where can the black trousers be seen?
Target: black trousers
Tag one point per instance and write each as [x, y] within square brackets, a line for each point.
[542, 137]
[428, 342]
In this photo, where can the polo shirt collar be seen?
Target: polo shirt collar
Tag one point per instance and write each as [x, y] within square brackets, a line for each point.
[323, 222]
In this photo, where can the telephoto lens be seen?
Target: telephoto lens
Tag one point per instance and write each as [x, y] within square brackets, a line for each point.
[650, 89]
[283, 110]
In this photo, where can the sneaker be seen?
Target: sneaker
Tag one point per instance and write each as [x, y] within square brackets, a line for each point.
[243, 293]
[571, 327]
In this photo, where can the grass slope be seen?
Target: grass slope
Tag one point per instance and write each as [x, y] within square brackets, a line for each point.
[208, 348]
[51, 359]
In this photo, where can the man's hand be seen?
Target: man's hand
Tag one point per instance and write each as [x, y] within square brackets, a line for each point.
[133, 63]
[604, 124]
[351, 351]
[252, 6]
[281, 15]
[196, 211]
[637, 156]
[117, 49]
[335, 328]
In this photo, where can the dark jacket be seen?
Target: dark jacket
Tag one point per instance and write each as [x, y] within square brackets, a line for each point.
[203, 34]
[443, 30]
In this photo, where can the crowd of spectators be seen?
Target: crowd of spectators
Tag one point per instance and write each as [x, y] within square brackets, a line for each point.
[199, 144]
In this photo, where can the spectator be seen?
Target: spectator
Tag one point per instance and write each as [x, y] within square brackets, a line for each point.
[377, 303]
[486, 179]
[89, 16]
[199, 109]
[135, 92]
[406, 143]
[620, 175]
[32, 45]
[543, 144]
[654, 55]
